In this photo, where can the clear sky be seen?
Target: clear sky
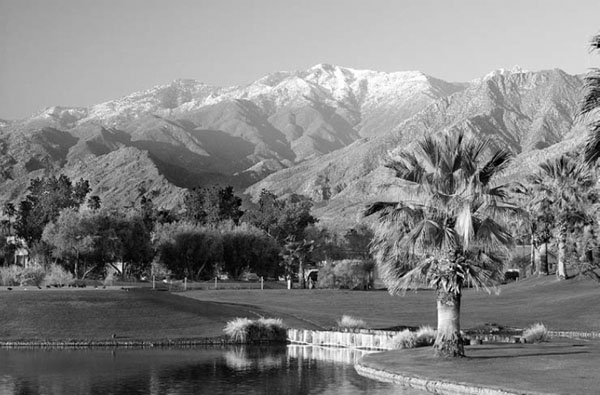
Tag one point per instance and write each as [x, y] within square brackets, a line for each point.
[83, 52]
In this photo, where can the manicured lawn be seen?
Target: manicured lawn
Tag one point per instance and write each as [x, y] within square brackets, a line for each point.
[98, 314]
[143, 314]
[560, 305]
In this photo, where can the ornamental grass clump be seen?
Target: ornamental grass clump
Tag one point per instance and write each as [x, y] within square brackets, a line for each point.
[349, 322]
[404, 339]
[245, 330]
[536, 333]
[425, 336]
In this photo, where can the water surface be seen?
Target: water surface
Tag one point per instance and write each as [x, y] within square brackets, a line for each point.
[289, 370]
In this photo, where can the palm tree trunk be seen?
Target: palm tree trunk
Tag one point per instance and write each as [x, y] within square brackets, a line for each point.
[541, 264]
[561, 270]
[449, 342]
[301, 282]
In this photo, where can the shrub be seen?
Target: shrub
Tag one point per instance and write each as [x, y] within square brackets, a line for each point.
[404, 339]
[109, 279]
[349, 322]
[10, 275]
[32, 275]
[425, 336]
[536, 333]
[57, 275]
[244, 330]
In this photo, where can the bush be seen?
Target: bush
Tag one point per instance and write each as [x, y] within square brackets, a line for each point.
[10, 275]
[32, 275]
[536, 333]
[349, 322]
[404, 339]
[57, 275]
[244, 330]
[425, 336]
[346, 274]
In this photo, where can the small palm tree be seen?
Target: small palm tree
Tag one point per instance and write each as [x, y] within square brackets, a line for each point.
[590, 106]
[564, 184]
[448, 232]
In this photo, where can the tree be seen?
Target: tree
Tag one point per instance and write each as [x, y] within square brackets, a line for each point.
[589, 108]
[565, 184]
[295, 254]
[45, 199]
[281, 218]
[246, 248]
[193, 254]
[212, 205]
[448, 231]
[94, 202]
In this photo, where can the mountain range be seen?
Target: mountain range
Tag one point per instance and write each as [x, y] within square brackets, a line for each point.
[325, 132]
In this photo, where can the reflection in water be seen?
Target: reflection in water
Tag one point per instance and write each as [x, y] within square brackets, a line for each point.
[228, 370]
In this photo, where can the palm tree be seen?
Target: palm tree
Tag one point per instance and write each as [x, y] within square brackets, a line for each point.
[447, 233]
[564, 183]
[590, 106]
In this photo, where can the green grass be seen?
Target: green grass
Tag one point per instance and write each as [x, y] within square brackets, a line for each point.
[69, 314]
[98, 314]
[561, 305]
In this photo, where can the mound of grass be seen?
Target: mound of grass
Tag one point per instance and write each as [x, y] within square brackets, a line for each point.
[349, 322]
[244, 330]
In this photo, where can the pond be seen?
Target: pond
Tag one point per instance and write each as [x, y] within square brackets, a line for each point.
[223, 370]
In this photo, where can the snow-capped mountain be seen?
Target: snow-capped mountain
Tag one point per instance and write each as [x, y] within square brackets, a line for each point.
[327, 126]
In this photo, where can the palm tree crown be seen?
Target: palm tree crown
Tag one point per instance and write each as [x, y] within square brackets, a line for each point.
[590, 106]
[452, 207]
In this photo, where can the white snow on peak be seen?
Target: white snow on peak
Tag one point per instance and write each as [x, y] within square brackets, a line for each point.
[516, 69]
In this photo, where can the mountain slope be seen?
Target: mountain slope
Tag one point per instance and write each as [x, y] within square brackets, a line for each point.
[531, 114]
[195, 134]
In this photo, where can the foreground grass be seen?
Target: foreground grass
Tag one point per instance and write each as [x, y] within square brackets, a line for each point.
[560, 367]
[98, 314]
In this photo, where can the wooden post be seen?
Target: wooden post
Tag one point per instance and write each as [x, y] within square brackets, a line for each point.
[185, 283]
[215, 282]
[262, 283]
[153, 282]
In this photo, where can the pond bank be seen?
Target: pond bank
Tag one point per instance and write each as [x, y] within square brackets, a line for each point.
[558, 367]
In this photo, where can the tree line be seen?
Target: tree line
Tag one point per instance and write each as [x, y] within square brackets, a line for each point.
[216, 233]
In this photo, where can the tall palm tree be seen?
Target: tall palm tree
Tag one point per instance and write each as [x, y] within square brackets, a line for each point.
[564, 183]
[448, 232]
[590, 106]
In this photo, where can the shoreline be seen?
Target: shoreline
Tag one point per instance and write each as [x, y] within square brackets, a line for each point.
[554, 368]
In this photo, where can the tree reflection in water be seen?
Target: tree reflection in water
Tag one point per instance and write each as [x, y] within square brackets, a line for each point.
[229, 370]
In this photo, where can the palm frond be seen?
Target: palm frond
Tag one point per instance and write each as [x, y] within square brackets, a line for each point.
[497, 163]
[595, 42]
[592, 146]
[591, 92]
[378, 207]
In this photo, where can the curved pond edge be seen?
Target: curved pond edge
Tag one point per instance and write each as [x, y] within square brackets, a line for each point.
[433, 386]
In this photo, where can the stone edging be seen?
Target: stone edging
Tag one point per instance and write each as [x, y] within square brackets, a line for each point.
[575, 334]
[434, 386]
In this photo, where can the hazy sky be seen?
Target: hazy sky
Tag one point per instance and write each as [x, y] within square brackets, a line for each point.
[83, 52]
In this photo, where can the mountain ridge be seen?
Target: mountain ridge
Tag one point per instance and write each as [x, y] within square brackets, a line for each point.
[324, 132]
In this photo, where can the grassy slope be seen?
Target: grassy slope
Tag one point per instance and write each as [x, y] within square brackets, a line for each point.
[97, 314]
